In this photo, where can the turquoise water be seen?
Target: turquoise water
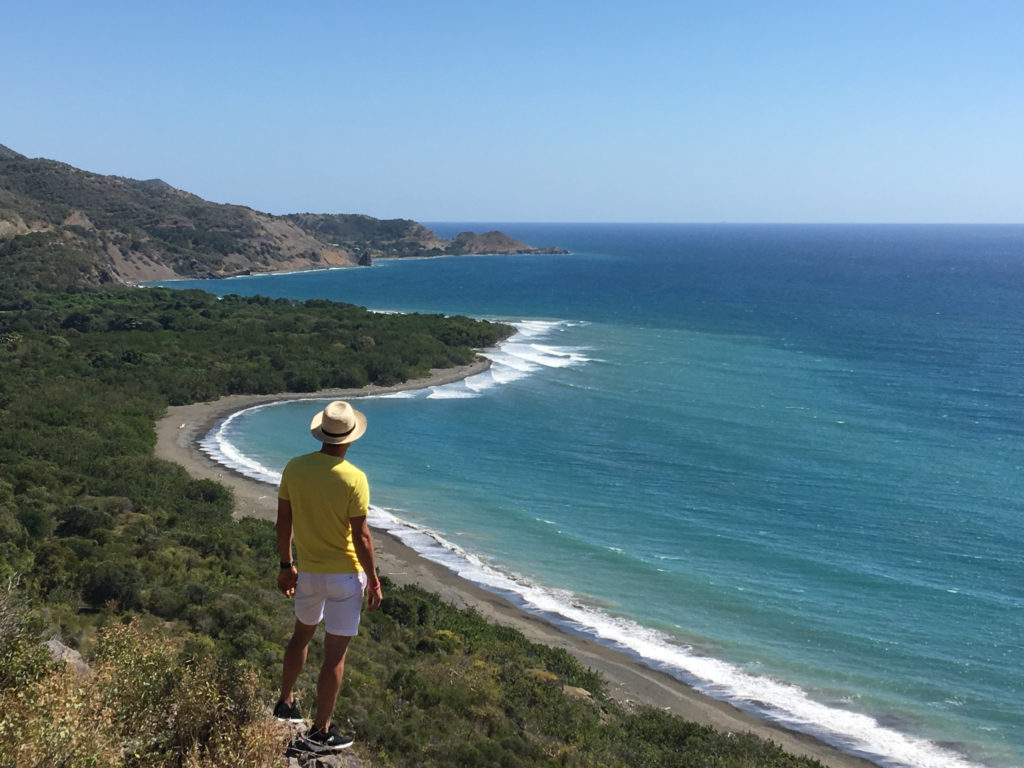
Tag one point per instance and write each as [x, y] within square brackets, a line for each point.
[782, 463]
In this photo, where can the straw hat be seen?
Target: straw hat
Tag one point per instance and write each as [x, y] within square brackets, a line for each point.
[338, 423]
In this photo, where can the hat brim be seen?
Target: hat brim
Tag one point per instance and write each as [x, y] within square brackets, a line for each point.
[316, 428]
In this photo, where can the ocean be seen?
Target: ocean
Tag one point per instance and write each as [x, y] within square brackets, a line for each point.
[782, 463]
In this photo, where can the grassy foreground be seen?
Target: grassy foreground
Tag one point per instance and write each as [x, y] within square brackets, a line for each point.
[428, 685]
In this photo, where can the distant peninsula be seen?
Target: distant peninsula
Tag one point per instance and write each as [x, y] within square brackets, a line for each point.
[126, 230]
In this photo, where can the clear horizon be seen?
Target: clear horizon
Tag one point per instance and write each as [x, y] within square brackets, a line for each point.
[800, 112]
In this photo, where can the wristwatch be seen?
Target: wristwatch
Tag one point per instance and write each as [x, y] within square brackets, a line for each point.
[289, 564]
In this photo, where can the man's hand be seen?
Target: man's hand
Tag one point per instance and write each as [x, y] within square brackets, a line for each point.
[373, 597]
[287, 578]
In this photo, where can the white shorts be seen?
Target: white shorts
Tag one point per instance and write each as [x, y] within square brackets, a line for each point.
[334, 598]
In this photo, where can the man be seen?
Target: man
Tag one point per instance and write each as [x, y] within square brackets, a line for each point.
[322, 504]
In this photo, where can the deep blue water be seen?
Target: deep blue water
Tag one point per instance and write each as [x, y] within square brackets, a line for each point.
[780, 462]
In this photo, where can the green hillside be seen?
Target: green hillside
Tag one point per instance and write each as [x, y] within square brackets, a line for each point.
[129, 230]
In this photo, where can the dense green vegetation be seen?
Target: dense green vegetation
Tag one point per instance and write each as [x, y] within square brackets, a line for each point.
[87, 514]
[192, 346]
[172, 601]
[146, 218]
[50, 262]
[378, 237]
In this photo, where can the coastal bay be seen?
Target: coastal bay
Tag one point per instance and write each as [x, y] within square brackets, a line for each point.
[630, 682]
[748, 425]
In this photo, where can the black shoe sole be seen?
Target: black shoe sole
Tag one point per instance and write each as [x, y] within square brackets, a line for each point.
[320, 749]
[285, 718]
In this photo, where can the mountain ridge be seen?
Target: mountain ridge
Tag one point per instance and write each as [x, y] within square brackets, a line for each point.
[128, 230]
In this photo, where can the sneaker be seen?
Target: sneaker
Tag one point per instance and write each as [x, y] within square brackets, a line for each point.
[288, 713]
[316, 740]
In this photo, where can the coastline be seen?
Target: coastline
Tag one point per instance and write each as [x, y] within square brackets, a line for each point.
[629, 681]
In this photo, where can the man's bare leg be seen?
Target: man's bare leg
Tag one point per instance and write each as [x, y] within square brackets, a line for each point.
[295, 658]
[329, 682]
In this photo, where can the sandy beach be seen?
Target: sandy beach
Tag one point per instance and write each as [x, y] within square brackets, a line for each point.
[629, 681]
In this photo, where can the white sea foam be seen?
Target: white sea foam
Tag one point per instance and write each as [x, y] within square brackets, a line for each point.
[781, 702]
[531, 328]
[515, 359]
[403, 395]
[512, 358]
[451, 393]
[564, 355]
[482, 382]
[217, 445]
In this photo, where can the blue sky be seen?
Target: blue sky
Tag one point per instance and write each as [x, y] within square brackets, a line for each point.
[773, 111]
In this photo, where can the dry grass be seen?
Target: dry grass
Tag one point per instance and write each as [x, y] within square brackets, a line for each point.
[142, 704]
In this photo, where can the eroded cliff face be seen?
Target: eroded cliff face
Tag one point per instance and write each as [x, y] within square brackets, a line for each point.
[12, 225]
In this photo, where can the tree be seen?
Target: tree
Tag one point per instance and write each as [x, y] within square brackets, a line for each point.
[118, 580]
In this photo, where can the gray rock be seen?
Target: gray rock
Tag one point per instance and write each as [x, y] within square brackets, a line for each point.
[346, 758]
[61, 653]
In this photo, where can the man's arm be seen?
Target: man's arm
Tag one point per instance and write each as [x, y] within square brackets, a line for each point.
[363, 542]
[287, 578]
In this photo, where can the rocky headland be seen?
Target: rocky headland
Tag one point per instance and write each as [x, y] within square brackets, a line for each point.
[117, 229]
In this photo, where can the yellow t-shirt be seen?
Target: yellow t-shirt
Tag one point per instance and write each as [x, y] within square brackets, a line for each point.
[325, 492]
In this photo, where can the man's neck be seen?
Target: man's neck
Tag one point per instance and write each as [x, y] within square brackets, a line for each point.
[334, 450]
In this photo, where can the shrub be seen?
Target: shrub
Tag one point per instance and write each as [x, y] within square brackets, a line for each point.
[144, 703]
[23, 659]
[117, 581]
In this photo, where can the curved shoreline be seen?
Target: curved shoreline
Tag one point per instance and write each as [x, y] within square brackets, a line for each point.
[178, 433]
[629, 681]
